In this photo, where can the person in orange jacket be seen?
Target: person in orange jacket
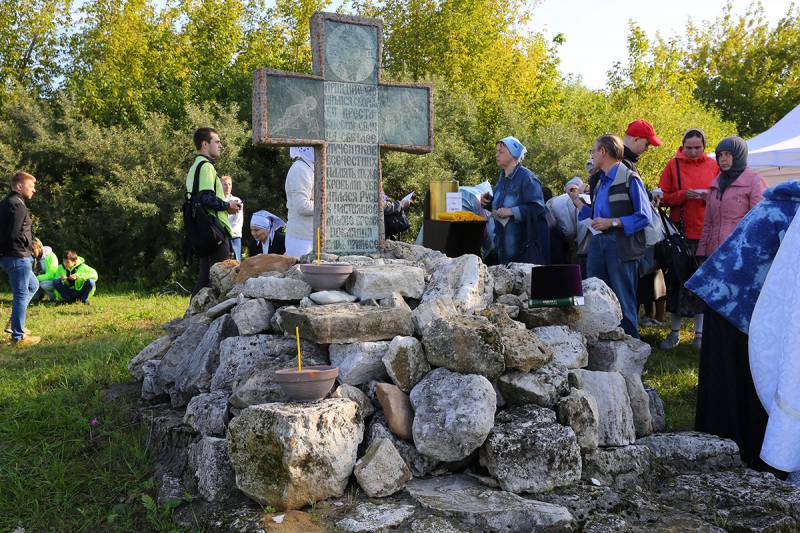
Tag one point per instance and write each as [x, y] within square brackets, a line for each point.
[685, 182]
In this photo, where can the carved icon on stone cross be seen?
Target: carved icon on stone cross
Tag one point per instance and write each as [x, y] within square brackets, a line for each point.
[348, 116]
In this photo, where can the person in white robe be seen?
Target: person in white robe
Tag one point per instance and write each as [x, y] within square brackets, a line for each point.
[775, 356]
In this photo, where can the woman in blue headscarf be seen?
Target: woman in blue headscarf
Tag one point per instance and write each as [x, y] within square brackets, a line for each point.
[521, 232]
[267, 239]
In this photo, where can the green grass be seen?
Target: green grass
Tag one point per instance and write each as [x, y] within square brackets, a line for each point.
[58, 472]
[673, 373]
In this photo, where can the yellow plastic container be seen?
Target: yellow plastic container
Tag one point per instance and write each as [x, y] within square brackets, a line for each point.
[438, 196]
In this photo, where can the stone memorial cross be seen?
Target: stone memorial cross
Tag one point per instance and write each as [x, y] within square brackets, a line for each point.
[348, 116]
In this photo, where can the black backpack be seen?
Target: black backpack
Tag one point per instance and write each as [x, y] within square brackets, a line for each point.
[203, 231]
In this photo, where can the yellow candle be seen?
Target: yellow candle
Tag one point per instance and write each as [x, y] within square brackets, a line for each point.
[299, 357]
[318, 246]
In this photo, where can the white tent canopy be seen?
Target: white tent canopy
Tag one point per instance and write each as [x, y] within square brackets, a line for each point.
[775, 154]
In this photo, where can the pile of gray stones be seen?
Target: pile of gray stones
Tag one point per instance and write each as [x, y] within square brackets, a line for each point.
[457, 408]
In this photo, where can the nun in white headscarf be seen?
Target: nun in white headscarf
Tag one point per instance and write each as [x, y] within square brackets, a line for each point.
[264, 228]
[300, 202]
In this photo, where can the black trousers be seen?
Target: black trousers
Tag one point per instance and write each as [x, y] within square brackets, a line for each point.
[222, 253]
[727, 402]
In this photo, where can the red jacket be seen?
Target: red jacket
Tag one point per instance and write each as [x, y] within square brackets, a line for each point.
[695, 174]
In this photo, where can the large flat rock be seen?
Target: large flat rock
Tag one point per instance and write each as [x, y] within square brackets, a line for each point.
[347, 323]
[464, 499]
[381, 281]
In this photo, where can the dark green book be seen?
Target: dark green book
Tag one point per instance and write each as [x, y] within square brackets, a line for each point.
[556, 302]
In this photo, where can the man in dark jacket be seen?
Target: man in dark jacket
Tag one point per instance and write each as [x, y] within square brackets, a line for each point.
[16, 253]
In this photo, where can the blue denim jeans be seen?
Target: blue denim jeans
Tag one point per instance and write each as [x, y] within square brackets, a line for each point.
[23, 286]
[236, 246]
[622, 276]
[70, 295]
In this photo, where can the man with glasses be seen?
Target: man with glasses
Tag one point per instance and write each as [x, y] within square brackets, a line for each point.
[620, 210]
[212, 197]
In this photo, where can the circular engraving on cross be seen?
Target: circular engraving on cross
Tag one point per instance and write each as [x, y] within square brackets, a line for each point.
[351, 53]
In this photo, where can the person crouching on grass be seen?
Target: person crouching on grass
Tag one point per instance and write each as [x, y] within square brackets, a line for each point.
[75, 280]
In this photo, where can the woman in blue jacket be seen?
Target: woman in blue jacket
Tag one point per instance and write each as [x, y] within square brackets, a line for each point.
[521, 232]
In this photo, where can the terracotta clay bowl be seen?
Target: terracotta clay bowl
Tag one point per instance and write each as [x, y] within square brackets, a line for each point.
[309, 385]
[326, 276]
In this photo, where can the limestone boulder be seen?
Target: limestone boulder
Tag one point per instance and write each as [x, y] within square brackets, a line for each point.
[677, 453]
[276, 289]
[578, 410]
[365, 407]
[202, 301]
[405, 362]
[453, 414]
[568, 346]
[369, 517]
[465, 280]
[239, 355]
[181, 349]
[464, 499]
[528, 451]
[291, 455]
[381, 472]
[207, 413]
[542, 387]
[613, 405]
[347, 323]
[359, 362]
[466, 344]
[258, 384]
[331, 297]
[419, 464]
[151, 390]
[253, 316]
[548, 316]
[619, 467]
[425, 257]
[222, 276]
[657, 413]
[524, 350]
[396, 408]
[513, 279]
[193, 374]
[222, 308]
[154, 350]
[601, 311]
[628, 357]
[426, 312]
[214, 472]
[256, 265]
[380, 281]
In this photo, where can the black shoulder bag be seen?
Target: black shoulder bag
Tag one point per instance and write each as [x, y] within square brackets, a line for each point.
[673, 253]
[203, 231]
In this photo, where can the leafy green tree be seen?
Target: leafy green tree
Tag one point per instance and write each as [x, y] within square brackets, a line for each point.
[747, 69]
[30, 37]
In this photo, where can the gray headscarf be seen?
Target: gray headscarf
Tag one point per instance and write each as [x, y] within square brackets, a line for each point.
[738, 148]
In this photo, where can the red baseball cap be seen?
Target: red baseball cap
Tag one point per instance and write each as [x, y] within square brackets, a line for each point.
[642, 128]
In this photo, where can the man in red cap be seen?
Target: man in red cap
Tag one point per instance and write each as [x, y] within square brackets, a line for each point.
[639, 136]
